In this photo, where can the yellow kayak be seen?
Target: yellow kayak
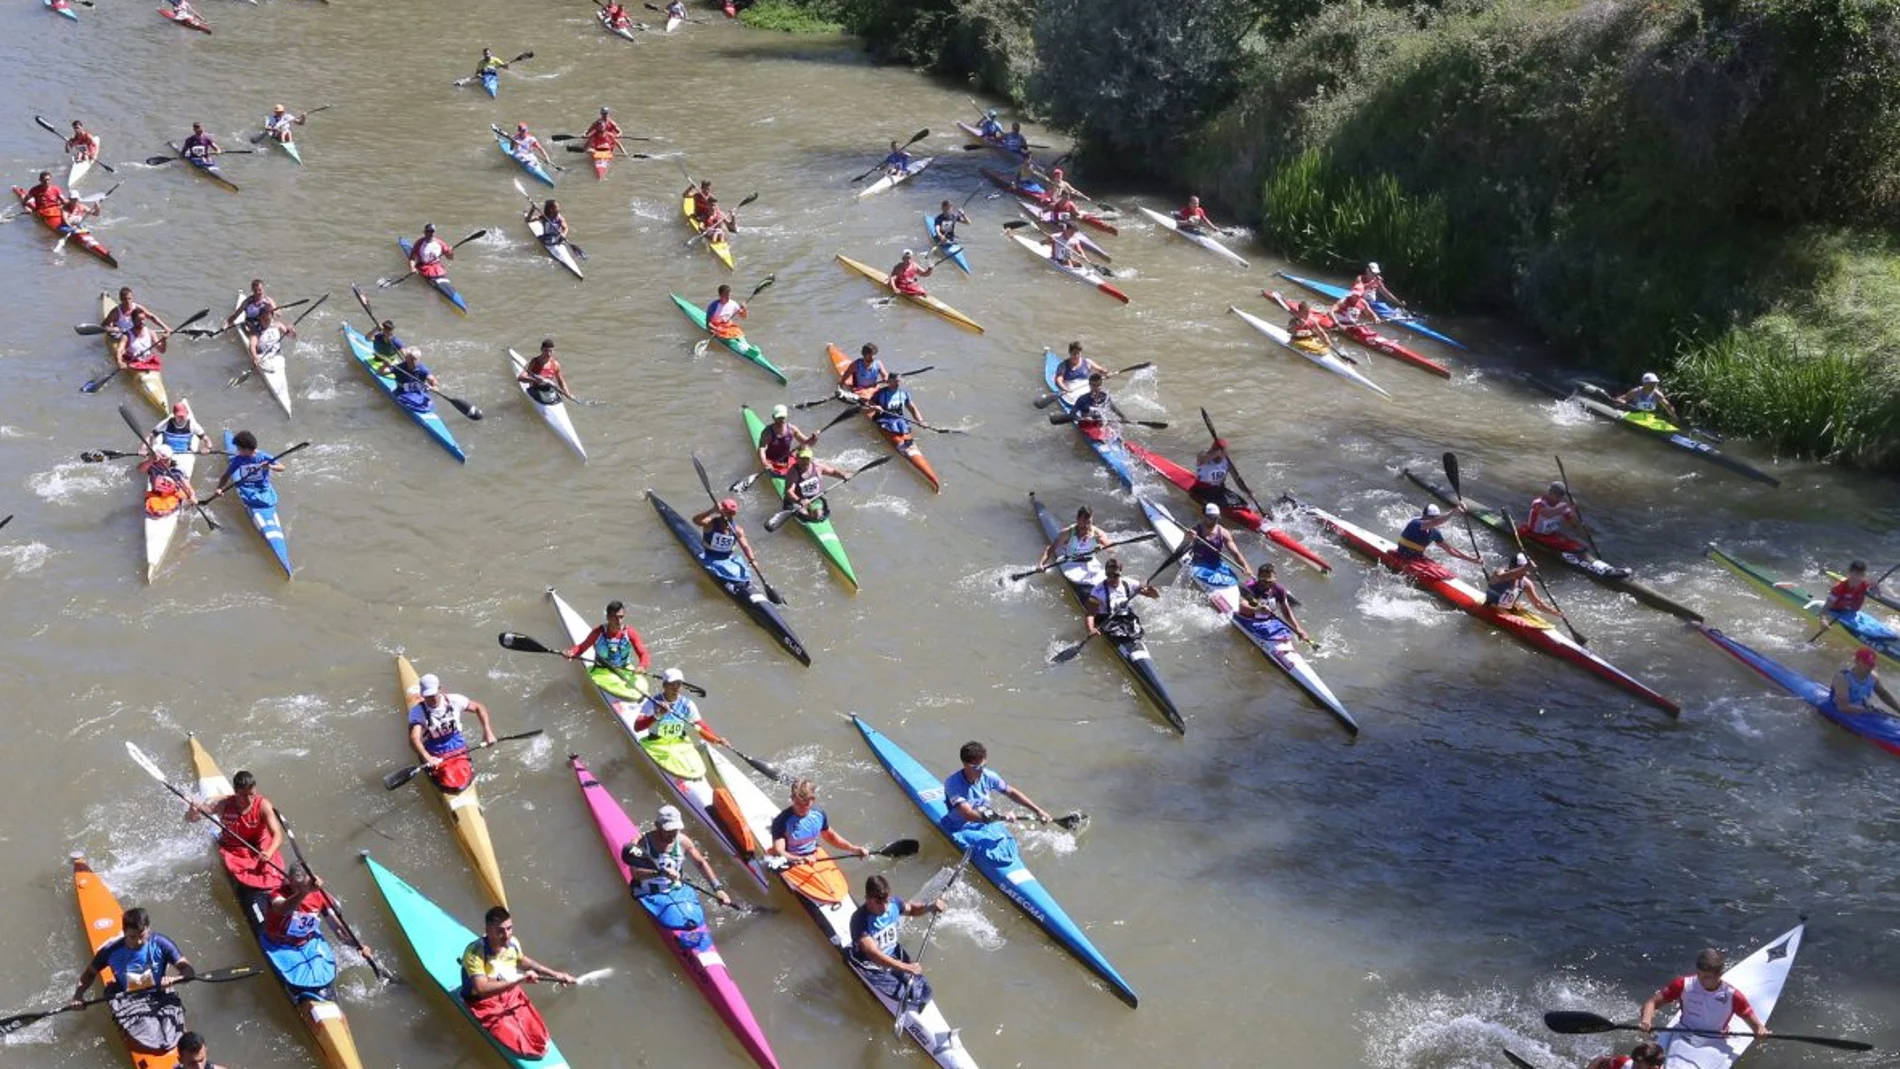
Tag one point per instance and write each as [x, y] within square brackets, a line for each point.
[148, 383]
[463, 807]
[720, 248]
[925, 302]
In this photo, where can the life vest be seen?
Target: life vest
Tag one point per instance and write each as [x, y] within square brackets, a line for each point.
[1205, 551]
[778, 444]
[1645, 399]
[615, 650]
[302, 923]
[805, 486]
[1115, 598]
[719, 541]
[669, 861]
[441, 725]
[427, 256]
[1846, 598]
[1214, 472]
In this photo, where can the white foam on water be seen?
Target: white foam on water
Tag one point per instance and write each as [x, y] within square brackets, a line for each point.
[27, 557]
[71, 481]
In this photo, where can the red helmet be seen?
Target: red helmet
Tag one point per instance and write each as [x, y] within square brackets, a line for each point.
[729, 506]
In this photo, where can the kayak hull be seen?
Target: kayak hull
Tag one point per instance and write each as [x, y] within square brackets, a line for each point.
[556, 415]
[1323, 358]
[463, 808]
[738, 346]
[209, 169]
[270, 366]
[1041, 250]
[1233, 509]
[1761, 976]
[821, 531]
[905, 445]
[721, 248]
[748, 596]
[534, 167]
[264, 520]
[1108, 443]
[1648, 423]
[560, 252]
[1173, 226]
[441, 285]
[954, 250]
[1863, 627]
[430, 421]
[1365, 337]
[1379, 308]
[891, 181]
[101, 917]
[926, 302]
[82, 237]
[162, 531]
[1877, 728]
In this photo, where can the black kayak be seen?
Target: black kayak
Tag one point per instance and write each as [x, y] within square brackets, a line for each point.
[1133, 652]
[746, 595]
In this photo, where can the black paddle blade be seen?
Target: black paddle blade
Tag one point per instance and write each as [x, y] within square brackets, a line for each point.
[1451, 473]
[1064, 656]
[509, 640]
[88, 330]
[1060, 418]
[400, 777]
[132, 422]
[900, 848]
[1072, 821]
[1578, 1022]
[1517, 1061]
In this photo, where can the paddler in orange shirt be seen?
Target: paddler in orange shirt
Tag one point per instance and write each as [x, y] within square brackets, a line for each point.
[723, 313]
[604, 134]
[46, 199]
[905, 275]
[1193, 218]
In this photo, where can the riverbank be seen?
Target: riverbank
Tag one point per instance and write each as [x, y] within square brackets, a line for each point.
[1696, 189]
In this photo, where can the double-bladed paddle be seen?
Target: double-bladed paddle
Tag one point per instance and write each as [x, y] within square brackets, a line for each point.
[1451, 475]
[49, 128]
[778, 519]
[201, 332]
[223, 485]
[93, 385]
[1579, 1022]
[1571, 493]
[477, 76]
[939, 884]
[252, 370]
[139, 433]
[333, 904]
[914, 138]
[1232, 470]
[520, 643]
[258, 138]
[1017, 577]
[705, 483]
[159, 161]
[1063, 656]
[1060, 418]
[402, 776]
[215, 976]
[385, 283]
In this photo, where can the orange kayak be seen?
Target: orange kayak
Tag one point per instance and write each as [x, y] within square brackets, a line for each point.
[101, 914]
[906, 444]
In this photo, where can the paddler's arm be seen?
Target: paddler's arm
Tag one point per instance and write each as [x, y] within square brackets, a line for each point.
[1022, 799]
[537, 969]
[481, 714]
[705, 866]
[1530, 591]
[831, 836]
[575, 650]
[867, 947]
[636, 859]
[706, 732]
[273, 828]
[1049, 551]
[422, 753]
[745, 545]
[86, 977]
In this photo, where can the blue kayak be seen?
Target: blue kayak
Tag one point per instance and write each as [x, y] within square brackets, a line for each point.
[431, 420]
[954, 249]
[734, 579]
[1380, 308]
[491, 81]
[442, 285]
[531, 165]
[1104, 439]
[1878, 728]
[264, 518]
[995, 858]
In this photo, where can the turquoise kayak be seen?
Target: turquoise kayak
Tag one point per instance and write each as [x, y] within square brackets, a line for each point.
[532, 166]
[954, 250]
[431, 421]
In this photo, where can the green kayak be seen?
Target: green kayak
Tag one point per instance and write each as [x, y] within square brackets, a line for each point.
[821, 532]
[738, 345]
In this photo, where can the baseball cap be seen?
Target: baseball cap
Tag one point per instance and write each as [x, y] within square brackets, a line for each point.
[181, 409]
[1372, 269]
[669, 818]
[806, 452]
[1431, 510]
[161, 450]
[1211, 509]
[780, 412]
[1650, 379]
[429, 685]
[672, 675]
[1519, 560]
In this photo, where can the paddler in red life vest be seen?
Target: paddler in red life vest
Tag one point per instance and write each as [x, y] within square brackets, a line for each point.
[1193, 218]
[296, 912]
[702, 195]
[1853, 688]
[493, 969]
[166, 487]
[1423, 532]
[1554, 521]
[1847, 597]
[250, 837]
[781, 439]
[1306, 329]
[1641, 1056]
[615, 16]
[905, 275]
[1648, 397]
[1512, 582]
[1353, 307]
[805, 484]
[83, 145]
[722, 314]
[435, 733]
[46, 199]
[1372, 283]
[619, 655]
[542, 376]
[867, 372]
[1262, 598]
[72, 213]
[604, 134]
[428, 253]
[1708, 1004]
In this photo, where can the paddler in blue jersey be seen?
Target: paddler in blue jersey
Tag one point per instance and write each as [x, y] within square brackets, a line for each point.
[1076, 370]
[720, 535]
[989, 127]
[801, 826]
[250, 471]
[1423, 532]
[879, 957]
[1648, 397]
[972, 822]
[865, 373]
[414, 381]
[1854, 688]
[140, 962]
[616, 645]
[1016, 142]
[1213, 548]
[181, 431]
[893, 409]
[898, 162]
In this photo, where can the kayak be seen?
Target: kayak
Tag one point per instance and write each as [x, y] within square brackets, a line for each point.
[618, 31]
[1365, 337]
[150, 384]
[1082, 576]
[102, 918]
[1864, 627]
[491, 82]
[954, 250]
[264, 518]
[81, 237]
[531, 165]
[906, 445]
[1654, 425]
[1760, 976]
[290, 149]
[430, 421]
[162, 531]
[1044, 223]
[82, 165]
[463, 808]
[720, 247]
[1600, 570]
[975, 137]
[682, 767]
[1173, 225]
[437, 939]
[442, 285]
[190, 24]
[555, 414]
[888, 180]
[1274, 638]
[739, 345]
[1041, 250]
[925, 302]
[1035, 192]
[65, 8]
[1102, 437]
[997, 860]
[1878, 728]
[560, 252]
[603, 158]
[1323, 357]
[1384, 311]
[270, 366]
[820, 531]
[673, 23]
[1527, 627]
[1233, 509]
[209, 168]
[678, 919]
[307, 973]
[825, 892]
[742, 587]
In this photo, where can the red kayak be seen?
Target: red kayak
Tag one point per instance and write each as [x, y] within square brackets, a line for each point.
[1036, 193]
[82, 237]
[1234, 510]
[1365, 336]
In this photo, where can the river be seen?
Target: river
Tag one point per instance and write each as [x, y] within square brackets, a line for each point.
[1508, 834]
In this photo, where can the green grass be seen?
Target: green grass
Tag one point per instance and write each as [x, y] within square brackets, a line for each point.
[786, 16]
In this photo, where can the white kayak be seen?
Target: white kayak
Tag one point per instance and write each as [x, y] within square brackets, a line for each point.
[79, 169]
[560, 252]
[887, 180]
[1202, 240]
[270, 360]
[1324, 359]
[555, 414]
[1760, 976]
[161, 531]
[1041, 250]
[1036, 215]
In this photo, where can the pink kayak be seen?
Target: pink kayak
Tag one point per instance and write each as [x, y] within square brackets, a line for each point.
[692, 946]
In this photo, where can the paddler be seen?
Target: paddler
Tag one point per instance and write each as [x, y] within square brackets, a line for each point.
[722, 314]
[386, 346]
[45, 199]
[1511, 583]
[615, 15]
[781, 439]
[488, 62]
[1648, 397]
[1641, 1056]
[414, 381]
[702, 195]
[1371, 282]
[1065, 246]
[428, 252]
[1423, 532]
[294, 920]
[971, 821]
[1708, 1004]
[658, 860]
[1193, 218]
[493, 969]
[1077, 370]
[279, 122]
[943, 227]
[200, 146]
[250, 837]
[898, 161]
[1307, 329]
[1079, 541]
[1853, 688]
[1262, 598]
[193, 1054]
[553, 223]
[250, 471]
[1352, 307]
[258, 310]
[717, 222]
[1846, 597]
[905, 275]
[1061, 195]
[604, 133]
[72, 214]
[805, 484]
[118, 321]
[526, 147]
[1212, 466]
[893, 408]
[988, 127]
[676, 9]
[183, 12]
[1093, 408]
[880, 959]
[867, 372]
[83, 145]
[141, 961]
[166, 487]
[435, 733]
[144, 348]
[801, 826]
[180, 430]
[1554, 521]
[619, 654]
[1213, 548]
[720, 534]
[670, 716]
[1014, 141]
[542, 376]
[1111, 606]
